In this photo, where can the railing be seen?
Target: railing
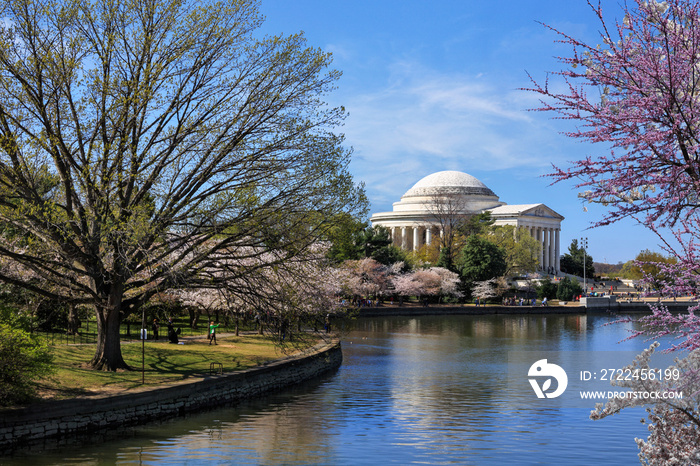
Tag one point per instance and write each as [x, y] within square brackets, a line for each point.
[62, 338]
[87, 332]
[82, 337]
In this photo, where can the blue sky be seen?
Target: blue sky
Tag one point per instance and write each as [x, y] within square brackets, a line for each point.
[434, 85]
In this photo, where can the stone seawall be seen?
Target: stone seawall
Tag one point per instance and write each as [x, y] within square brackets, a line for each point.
[600, 308]
[75, 416]
[637, 307]
[466, 310]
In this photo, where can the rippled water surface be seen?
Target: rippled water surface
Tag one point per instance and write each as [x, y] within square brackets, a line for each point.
[430, 390]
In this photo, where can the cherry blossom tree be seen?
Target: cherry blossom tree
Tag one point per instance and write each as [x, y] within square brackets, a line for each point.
[435, 281]
[366, 277]
[405, 285]
[297, 290]
[369, 278]
[674, 422]
[637, 94]
[485, 289]
[449, 282]
[208, 301]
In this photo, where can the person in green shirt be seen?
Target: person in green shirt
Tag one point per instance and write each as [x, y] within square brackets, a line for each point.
[212, 332]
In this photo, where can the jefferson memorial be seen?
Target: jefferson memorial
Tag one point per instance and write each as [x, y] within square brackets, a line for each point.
[416, 218]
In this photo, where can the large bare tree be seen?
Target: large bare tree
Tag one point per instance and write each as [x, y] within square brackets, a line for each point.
[449, 211]
[142, 140]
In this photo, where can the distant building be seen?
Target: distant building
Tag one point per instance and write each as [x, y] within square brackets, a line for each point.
[416, 218]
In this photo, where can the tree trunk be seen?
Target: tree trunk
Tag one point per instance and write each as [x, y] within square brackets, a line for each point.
[73, 320]
[194, 317]
[108, 353]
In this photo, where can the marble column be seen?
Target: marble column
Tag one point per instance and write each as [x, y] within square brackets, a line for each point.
[404, 238]
[552, 262]
[540, 240]
[557, 253]
[428, 235]
[416, 238]
[545, 249]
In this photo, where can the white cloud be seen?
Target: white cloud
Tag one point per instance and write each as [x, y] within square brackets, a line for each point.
[422, 121]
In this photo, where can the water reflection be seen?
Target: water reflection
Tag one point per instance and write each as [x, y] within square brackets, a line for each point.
[411, 390]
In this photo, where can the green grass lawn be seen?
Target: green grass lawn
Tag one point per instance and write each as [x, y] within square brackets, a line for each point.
[164, 363]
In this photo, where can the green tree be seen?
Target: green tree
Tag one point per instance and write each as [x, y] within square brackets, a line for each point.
[352, 239]
[375, 242]
[522, 250]
[373, 239]
[180, 142]
[445, 260]
[23, 360]
[480, 260]
[568, 288]
[546, 289]
[572, 262]
[477, 224]
[630, 271]
[389, 255]
[344, 236]
[649, 264]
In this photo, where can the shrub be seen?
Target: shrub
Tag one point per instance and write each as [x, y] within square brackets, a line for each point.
[15, 317]
[22, 360]
[568, 288]
[546, 289]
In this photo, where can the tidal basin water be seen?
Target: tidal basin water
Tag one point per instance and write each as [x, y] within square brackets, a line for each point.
[429, 390]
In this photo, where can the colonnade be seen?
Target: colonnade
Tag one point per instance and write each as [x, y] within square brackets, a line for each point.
[412, 237]
[550, 251]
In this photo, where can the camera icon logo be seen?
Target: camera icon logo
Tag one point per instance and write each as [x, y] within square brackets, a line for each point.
[542, 368]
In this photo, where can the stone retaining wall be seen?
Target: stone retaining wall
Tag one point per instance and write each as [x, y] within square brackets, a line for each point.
[75, 416]
[467, 310]
[600, 307]
[637, 307]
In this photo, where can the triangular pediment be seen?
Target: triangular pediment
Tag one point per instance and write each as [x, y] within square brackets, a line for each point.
[525, 210]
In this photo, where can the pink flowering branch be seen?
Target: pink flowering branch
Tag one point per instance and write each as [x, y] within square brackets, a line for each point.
[636, 95]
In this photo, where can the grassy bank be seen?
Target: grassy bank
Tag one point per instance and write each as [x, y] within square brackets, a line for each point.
[163, 363]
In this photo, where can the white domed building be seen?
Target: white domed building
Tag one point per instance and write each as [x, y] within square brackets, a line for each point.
[419, 216]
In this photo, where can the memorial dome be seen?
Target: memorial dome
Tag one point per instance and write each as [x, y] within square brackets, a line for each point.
[448, 182]
[448, 189]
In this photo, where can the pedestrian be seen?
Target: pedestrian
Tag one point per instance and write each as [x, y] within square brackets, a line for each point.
[155, 326]
[544, 302]
[284, 328]
[172, 333]
[212, 332]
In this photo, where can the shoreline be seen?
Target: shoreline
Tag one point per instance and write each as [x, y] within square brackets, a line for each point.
[76, 416]
[497, 309]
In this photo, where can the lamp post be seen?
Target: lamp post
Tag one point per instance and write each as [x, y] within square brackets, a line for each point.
[144, 335]
[584, 245]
